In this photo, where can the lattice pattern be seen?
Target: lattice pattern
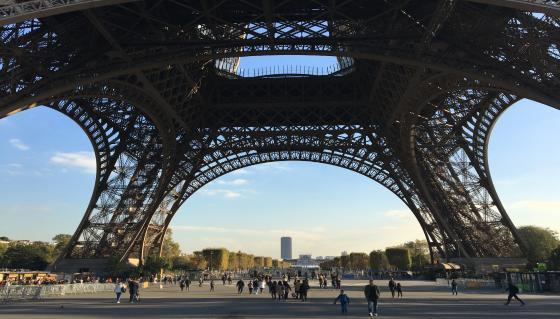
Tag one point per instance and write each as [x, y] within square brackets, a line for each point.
[422, 87]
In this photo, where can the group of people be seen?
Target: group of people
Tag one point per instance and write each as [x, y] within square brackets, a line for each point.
[512, 290]
[335, 280]
[133, 288]
[395, 288]
[371, 293]
[278, 289]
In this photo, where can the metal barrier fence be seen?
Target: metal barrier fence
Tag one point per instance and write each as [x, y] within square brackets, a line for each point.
[30, 292]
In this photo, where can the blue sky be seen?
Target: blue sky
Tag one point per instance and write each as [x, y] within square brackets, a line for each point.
[46, 180]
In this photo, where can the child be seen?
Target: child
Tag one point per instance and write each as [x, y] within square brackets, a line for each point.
[344, 301]
[399, 290]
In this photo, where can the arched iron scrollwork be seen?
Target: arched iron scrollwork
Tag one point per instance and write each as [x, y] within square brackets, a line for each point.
[355, 148]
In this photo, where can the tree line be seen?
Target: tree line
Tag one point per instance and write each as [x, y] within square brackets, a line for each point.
[412, 255]
[543, 247]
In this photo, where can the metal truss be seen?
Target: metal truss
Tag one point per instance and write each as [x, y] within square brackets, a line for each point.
[155, 87]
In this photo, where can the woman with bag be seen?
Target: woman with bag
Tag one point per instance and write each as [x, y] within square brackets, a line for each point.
[119, 289]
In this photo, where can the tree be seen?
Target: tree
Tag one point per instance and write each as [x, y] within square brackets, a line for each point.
[540, 242]
[327, 264]
[154, 264]
[60, 241]
[181, 263]
[170, 248]
[259, 261]
[4, 238]
[358, 261]
[345, 261]
[217, 258]
[268, 262]
[337, 262]
[378, 260]
[554, 259]
[399, 257]
[420, 253]
[35, 256]
[197, 261]
[233, 262]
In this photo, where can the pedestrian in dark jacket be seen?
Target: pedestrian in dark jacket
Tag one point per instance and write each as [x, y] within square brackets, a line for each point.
[392, 287]
[399, 290]
[133, 288]
[303, 288]
[372, 294]
[240, 284]
[513, 291]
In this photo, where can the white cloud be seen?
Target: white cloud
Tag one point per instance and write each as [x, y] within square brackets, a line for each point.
[226, 193]
[82, 160]
[17, 143]
[235, 182]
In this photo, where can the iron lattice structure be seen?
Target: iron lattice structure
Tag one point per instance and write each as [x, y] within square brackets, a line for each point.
[412, 104]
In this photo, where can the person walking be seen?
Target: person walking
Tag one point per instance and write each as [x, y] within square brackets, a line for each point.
[280, 290]
[399, 290]
[454, 288]
[262, 285]
[187, 284]
[182, 285]
[303, 288]
[513, 291]
[344, 301]
[240, 285]
[212, 285]
[372, 294]
[392, 287]
[250, 286]
[287, 290]
[132, 290]
[119, 289]
[297, 286]
[273, 287]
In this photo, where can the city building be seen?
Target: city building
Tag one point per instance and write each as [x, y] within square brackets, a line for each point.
[286, 248]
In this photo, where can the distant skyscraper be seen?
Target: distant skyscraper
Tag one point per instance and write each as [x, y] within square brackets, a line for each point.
[286, 248]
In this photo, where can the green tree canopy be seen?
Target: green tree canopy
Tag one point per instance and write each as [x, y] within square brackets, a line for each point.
[378, 260]
[540, 241]
[154, 264]
[419, 253]
[60, 241]
[399, 257]
[554, 259]
[345, 262]
[217, 258]
[327, 264]
[34, 256]
[170, 248]
[359, 261]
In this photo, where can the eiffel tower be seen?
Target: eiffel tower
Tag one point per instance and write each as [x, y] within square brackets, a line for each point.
[411, 103]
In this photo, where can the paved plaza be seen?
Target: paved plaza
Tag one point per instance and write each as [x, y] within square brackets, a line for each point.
[421, 300]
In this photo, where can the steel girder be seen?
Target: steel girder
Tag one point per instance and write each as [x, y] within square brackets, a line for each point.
[412, 108]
